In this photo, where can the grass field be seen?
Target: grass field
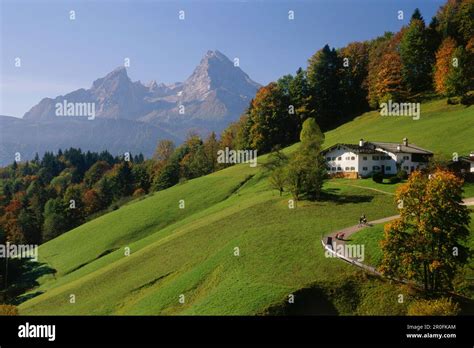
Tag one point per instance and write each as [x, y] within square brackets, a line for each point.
[441, 128]
[192, 251]
[280, 251]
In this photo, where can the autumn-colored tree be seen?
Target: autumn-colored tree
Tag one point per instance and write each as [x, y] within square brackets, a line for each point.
[8, 310]
[427, 243]
[271, 122]
[138, 193]
[384, 76]
[92, 202]
[444, 63]
[9, 222]
[164, 150]
[388, 84]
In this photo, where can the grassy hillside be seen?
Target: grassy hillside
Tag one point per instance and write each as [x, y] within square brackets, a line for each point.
[441, 128]
[191, 251]
[193, 254]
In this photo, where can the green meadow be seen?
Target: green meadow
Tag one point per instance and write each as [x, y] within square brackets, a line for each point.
[442, 128]
[236, 248]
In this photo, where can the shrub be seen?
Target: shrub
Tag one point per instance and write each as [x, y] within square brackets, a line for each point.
[394, 179]
[8, 310]
[402, 175]
[377, 177]
[443, 306]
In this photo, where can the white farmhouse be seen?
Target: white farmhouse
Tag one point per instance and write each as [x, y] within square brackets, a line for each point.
[366, 158]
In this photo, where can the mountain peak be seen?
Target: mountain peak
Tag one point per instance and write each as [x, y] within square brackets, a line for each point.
[214, 57]
[118, 71]
[217, 72]
[115, 77]
[217, 92]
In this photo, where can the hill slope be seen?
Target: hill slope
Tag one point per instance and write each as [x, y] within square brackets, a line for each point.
[441, 128]
[191, 251]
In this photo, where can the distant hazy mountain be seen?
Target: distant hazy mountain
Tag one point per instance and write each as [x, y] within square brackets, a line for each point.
[131, 116]
[117, 136]
[214, 95]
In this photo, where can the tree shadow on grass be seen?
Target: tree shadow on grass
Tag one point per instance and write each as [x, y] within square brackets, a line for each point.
[308, 301]
[28, 273]
[330, 195]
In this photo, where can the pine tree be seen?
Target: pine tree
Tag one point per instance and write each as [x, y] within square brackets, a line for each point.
[355, 61]
[324, 78]
[416, 56]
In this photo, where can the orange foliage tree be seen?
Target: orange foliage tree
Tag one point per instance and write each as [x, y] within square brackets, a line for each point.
[426, 244]
[443, 64]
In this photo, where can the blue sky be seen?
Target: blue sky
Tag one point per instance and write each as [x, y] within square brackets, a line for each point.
[59, 55]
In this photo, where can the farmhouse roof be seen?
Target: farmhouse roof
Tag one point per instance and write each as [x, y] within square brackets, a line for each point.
[396, 147]
[366, 148]
[369, 147]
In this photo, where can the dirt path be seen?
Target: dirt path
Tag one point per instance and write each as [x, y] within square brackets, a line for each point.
[369, 188]
[348, 231]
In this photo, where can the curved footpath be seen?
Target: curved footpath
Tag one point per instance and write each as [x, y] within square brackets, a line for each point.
[348, 231]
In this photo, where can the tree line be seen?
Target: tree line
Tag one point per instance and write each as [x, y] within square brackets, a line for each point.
[420, 61]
